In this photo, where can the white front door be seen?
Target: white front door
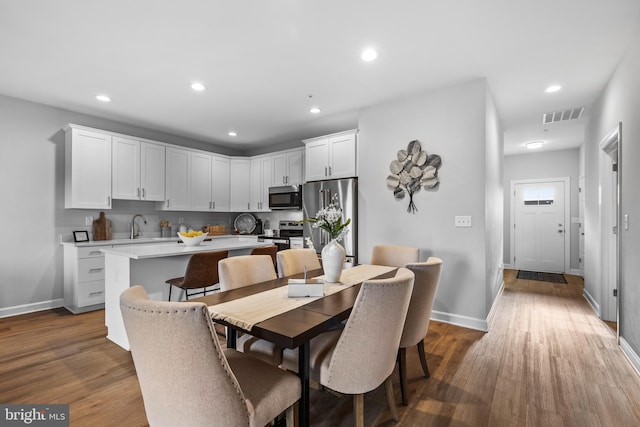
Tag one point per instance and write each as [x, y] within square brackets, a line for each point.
[539, 226]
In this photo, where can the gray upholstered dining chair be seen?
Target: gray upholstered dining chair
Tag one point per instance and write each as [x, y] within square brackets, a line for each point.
[394, 255]
[362, 356]
[244, 270]
[294, 261]
[427, 276]
[188, 380]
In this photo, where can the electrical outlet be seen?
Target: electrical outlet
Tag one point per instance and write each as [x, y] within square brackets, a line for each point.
[88, 220]
[463, 221]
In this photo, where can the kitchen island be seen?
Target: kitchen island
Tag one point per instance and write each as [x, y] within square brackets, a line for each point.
[150, 266]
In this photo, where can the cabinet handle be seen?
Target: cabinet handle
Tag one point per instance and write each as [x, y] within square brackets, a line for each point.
[213, 205]
[144, 196]
[94, 253]
[92, 294]
[168, 203]
[95, 270]
[330, 171]
[109, 201]
[248, 205]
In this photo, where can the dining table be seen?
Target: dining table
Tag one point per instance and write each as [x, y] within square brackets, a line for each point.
[291, 322]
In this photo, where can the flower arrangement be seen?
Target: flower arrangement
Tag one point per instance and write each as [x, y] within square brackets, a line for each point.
[329, 219]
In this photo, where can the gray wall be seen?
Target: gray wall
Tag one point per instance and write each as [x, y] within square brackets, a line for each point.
[454, 123]
[549, 164]
[620, 102]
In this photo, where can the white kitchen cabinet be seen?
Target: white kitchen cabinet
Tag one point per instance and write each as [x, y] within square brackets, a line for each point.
[260, 182]
[288, 167]
[331, 157]
[138, 170]
[177, 180]
[220, 183]
[240, 184]
[87, 169]
[83, 278]
[200, 179]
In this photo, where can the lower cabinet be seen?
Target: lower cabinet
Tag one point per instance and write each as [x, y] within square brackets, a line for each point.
[83, 278]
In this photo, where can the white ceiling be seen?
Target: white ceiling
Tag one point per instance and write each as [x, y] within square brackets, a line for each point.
[261, 59]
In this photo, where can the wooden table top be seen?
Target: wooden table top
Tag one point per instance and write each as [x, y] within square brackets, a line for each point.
[295, 327]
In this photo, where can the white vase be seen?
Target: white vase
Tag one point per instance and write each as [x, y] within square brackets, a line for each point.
[333, 255]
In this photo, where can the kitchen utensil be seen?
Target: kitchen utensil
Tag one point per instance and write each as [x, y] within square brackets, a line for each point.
[192, 241]
[244, 223]
[102, 228]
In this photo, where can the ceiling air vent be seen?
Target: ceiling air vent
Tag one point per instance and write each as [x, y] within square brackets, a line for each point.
[560, 116]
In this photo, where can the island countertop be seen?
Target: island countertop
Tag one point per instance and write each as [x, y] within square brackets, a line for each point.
[159, 250]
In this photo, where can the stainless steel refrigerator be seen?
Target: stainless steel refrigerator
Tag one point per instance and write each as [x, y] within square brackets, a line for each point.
[317, 195]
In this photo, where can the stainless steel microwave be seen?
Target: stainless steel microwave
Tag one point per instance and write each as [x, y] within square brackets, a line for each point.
[288, 197]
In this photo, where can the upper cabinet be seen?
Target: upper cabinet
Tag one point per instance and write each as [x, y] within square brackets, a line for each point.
[261, 171]
[178, 178]
[331, 156]
[240, 179]
[87, 169]
[220, 200]
[138, 170]
[288, 167]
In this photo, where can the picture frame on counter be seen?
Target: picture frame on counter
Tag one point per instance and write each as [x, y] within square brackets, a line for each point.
[80, 236]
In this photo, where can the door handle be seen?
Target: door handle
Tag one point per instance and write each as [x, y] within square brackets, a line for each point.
[560, 231]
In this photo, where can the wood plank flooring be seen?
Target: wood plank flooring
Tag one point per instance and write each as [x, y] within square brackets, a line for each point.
[546, 361]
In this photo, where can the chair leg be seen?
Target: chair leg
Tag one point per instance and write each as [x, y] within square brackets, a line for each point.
[358, 409]
[388, 384]
[423, 359]
[291, 415]
[402, 372]
[170, 287]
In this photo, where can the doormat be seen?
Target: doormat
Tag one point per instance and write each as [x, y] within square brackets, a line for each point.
[543, 277]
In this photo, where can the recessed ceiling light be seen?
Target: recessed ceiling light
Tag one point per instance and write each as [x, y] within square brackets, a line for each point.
[315, 110]
[232, 133]
[197, 87]
[534, 144]
[103, 98]
[553, 88]
[369, 55]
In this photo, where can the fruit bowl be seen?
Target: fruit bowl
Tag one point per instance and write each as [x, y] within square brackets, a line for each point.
[192, 238]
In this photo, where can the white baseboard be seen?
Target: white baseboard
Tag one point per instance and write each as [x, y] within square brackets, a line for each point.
[507, 267]
[633, 357]
[576, 272]
[592, 302]
[492, 313]
[459, 320]
[30, 308]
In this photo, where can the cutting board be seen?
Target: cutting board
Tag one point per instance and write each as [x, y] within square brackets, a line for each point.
[102, 228]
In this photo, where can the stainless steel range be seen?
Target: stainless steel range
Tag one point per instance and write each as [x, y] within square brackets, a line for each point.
[282, 239]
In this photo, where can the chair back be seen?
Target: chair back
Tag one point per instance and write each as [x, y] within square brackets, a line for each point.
[365, 354]
[293, 261]
[424, 291]
[266, 250]
[394, 255]
[245, 270]
[202, 269]
[184, 376]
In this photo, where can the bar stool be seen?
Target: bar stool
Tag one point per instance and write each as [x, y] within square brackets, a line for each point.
[201, 272]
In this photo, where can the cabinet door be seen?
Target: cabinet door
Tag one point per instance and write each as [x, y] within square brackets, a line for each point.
[177, 180]
[295, 167]
[280, 169]
[87, 170]
[200, 181]
[240, 184]
[266, 182]
[152, 171]
[316, 158]
[342, 156]
[256, 183]
[125, 169]
[220, 183]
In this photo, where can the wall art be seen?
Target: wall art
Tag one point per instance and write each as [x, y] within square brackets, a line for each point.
[413, 170]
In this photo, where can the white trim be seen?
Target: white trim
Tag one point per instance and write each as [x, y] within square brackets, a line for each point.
[576, 272]
[492, 312]
[31, 308]
[459, 320]
[567, 216]
[508, 267]
[633, 357]
[591, 301]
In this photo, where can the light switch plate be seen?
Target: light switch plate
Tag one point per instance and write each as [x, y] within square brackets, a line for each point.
[88, 220]
[463, 221]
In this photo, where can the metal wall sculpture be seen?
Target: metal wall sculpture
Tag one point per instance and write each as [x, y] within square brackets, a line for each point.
[412, 170]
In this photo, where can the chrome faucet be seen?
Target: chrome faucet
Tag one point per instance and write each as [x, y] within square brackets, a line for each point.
[133, 235]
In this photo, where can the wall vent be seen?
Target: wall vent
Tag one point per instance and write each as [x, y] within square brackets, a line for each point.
[560, 116]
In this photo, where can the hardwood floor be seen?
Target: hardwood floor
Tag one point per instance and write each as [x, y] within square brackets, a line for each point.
[547, 360]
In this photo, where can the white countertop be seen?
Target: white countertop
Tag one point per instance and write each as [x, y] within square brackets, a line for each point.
[145, 240]
[158, 250]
